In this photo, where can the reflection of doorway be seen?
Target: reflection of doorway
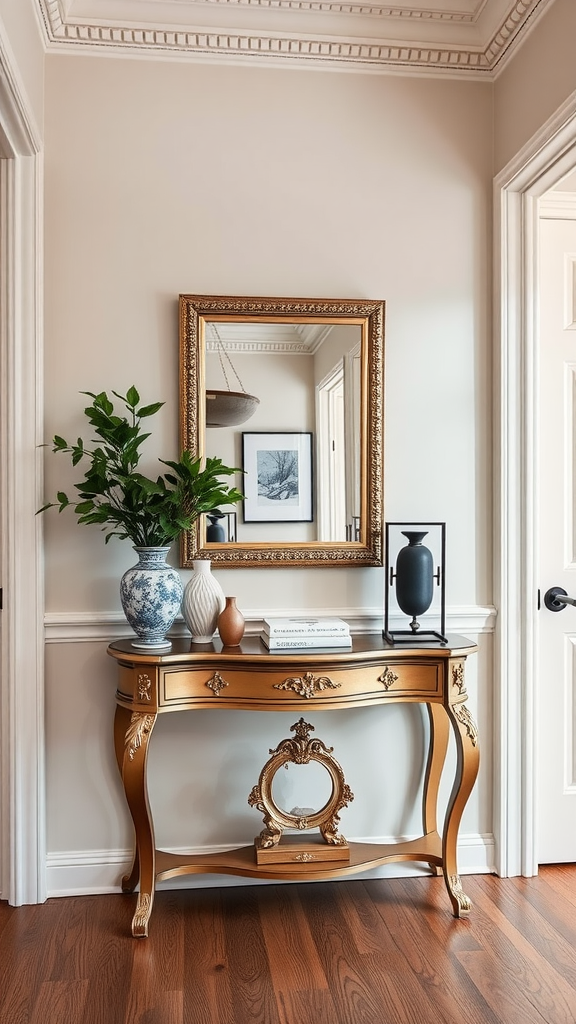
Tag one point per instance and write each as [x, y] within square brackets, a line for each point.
[331, 457]
[338, 440]
[547, 158]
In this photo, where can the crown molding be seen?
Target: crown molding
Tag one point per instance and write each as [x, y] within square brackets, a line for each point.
[261, 348]
[337, 48]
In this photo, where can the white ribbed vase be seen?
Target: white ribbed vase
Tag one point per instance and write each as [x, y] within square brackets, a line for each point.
[202, 602]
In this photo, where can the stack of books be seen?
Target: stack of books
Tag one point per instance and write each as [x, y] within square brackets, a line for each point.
[296, 634]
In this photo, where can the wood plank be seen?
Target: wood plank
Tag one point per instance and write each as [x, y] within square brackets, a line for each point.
[552, 938]
[60, 1001]
[208, 991]
[562, 877]
[445, 992]
[363, 987]
[550, 903]
[250, 979]
[28, 947]
[292, 956]
[513, 959]
[300, 985]
[510, 1003]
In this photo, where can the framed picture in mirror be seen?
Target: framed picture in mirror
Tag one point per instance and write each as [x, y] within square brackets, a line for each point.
[278, 480]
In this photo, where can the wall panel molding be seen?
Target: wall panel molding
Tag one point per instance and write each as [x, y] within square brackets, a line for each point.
[89, 627]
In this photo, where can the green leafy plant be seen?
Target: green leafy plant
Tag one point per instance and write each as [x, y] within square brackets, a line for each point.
[125, 503]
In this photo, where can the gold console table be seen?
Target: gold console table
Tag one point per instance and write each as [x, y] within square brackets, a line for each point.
[191, 677]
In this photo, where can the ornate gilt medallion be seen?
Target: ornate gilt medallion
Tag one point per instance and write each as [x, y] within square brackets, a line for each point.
[307, 685]
[216, 684]
[300, 749]
[387, 678]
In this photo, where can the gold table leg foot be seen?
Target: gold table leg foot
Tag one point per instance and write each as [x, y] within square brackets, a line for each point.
[142, 916]
[461, 903]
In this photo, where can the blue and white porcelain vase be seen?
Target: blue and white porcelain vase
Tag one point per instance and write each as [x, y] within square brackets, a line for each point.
[202, 603]
[151, 595]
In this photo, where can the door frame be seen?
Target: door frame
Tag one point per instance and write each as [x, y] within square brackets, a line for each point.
[22, 798]
[546, 158]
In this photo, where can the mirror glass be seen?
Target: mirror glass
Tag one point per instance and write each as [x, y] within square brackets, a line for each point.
[296, 388]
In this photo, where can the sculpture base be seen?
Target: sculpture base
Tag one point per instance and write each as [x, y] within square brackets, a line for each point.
[305, 849]
[408, 636]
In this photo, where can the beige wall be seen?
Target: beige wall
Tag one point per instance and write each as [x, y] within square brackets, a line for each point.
[164, 178]
[535, 83]
[20, 26]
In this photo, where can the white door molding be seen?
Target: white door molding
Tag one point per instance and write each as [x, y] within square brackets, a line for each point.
[22, 831]
[541, 164]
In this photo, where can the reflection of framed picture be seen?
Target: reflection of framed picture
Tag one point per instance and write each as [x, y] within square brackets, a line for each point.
[278, 477]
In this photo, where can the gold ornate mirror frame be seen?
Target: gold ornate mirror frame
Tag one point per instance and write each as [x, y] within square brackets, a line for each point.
[199, 312]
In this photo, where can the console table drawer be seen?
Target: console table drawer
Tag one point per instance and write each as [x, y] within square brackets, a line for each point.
[323, 685]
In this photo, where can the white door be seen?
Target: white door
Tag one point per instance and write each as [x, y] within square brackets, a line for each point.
[556, 688]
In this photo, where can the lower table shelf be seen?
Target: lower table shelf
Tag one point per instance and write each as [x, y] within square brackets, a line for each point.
[242, 861]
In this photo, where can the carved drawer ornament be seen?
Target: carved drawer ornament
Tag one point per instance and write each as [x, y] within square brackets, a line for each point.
[300, 749]
[307, 685]
[458, 677]
[144, 686]
[216, 684]
[138, 730]
[387, 678]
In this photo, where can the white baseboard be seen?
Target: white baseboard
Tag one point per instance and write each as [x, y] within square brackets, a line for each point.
[94, 872]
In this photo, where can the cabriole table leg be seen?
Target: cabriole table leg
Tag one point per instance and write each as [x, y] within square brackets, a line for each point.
[468, 760]
[137, 738]
[439, 733]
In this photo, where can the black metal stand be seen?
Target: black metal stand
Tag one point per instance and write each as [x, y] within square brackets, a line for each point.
[416, 636]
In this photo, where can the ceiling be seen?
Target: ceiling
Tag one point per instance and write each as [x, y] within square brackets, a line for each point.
[463, 38]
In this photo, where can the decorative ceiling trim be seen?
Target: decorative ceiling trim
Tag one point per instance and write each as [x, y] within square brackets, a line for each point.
[269, 348]
[364, 9]
[256, 46]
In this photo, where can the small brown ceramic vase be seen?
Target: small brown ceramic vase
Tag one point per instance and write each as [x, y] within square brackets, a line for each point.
[231, 624]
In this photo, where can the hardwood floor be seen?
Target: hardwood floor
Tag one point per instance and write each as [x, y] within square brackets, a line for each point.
[362, 952]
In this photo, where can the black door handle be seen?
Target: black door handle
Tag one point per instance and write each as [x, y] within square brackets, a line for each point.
[556, 599]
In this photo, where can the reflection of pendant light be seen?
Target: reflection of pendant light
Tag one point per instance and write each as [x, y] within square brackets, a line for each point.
[228, 408]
